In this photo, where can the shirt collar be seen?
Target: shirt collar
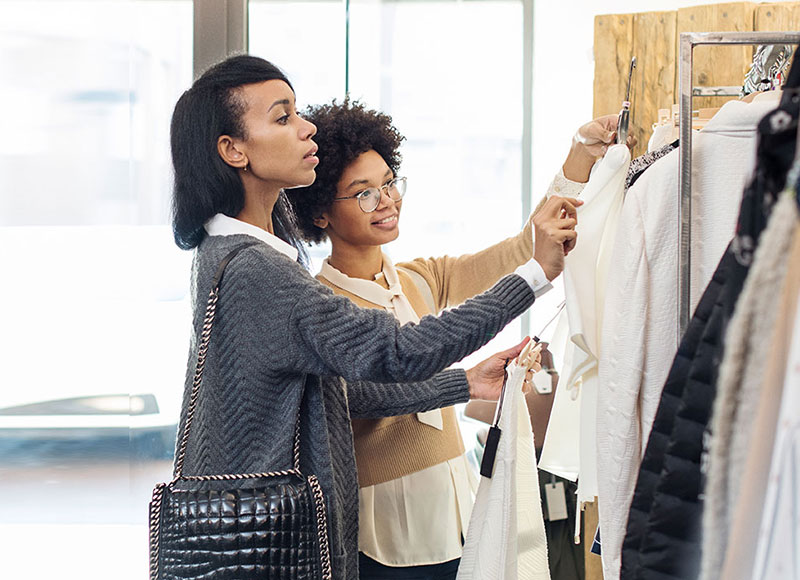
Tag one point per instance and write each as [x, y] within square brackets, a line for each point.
[222, 225]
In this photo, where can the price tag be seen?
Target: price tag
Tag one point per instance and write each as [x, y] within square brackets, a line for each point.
[556, 501]
[543, 383]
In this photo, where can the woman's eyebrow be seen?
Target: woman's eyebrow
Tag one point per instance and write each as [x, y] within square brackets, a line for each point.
[357, 182]
[279, 102]
[366, 181]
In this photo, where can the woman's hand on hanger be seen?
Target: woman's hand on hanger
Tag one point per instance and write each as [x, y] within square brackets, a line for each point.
[487, 377]
[591, 141]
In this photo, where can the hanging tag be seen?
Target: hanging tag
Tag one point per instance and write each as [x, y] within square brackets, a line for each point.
[543, 383]
[556, 501]
[489, 452]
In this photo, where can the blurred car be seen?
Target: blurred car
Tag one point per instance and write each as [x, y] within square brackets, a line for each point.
[91, 424]
[94, 340]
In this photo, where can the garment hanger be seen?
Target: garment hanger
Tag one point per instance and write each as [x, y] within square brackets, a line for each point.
[623, 122]
[525, 359]
[769, 68]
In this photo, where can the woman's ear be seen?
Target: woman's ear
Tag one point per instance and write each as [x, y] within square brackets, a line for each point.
[321, 222]
[230, 153]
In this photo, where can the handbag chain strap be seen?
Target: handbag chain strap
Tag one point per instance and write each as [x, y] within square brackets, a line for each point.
[202, 353]
[158, 491]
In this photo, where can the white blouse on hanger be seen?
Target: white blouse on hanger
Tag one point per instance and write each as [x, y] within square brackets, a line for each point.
[585, 274]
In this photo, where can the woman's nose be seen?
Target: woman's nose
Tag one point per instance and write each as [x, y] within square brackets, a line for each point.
[308, 130]
[386, 200]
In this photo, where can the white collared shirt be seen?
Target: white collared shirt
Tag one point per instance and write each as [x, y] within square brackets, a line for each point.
[222, 225]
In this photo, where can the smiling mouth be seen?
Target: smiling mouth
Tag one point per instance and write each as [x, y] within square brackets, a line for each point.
[390, 219]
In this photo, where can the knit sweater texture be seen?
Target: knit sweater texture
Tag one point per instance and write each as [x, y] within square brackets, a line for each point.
[281, 345]
[391, 447]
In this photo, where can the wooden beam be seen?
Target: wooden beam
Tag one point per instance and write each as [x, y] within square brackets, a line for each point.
[780, 17]
[718, 65]
[654, 45]
[613, 43]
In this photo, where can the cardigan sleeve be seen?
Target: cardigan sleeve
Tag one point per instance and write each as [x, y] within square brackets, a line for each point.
[454, 279]
[306, 328]
[368, 400]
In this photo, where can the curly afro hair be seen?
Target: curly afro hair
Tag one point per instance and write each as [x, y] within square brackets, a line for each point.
[344, 131]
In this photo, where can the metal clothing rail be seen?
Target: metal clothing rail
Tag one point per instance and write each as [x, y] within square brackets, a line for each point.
[688, 40]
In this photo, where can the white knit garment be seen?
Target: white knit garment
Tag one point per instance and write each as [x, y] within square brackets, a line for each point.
[640, 328]
[506, 539]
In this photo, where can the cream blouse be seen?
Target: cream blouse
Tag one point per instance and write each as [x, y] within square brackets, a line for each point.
[395, 516]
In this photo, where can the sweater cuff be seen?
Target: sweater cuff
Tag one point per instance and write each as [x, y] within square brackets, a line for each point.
[515, 292]
[452, 387]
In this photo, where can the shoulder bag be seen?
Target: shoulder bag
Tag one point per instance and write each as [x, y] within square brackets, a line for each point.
[237, 526]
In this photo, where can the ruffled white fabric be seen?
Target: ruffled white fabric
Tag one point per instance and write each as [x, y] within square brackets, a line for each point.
[506, 538]
[585, 275]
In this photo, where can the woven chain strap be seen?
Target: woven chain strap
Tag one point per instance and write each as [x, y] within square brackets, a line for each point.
[202, 353]
[155, 528]
[322, 528]
[158, 492]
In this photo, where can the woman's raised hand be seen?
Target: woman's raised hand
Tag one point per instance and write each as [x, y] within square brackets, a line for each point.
[554, 232]
[590, 142]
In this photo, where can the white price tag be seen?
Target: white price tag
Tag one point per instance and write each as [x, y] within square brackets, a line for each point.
[543, 383]
[556, 501]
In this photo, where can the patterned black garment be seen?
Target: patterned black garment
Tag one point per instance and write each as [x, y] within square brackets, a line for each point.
[663, 534]
[639, 165]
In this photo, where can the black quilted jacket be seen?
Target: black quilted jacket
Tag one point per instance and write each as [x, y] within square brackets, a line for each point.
[663, 535]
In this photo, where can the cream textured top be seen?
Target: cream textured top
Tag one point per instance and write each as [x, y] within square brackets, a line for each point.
[395, 516]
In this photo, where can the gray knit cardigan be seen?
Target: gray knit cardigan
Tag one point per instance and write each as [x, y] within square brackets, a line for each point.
[282, 344]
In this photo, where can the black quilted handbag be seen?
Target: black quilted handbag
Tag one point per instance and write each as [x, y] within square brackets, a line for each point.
[237, 526]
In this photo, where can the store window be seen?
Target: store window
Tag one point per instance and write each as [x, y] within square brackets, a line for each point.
[450, 74]
[457, 101]
[96, 318]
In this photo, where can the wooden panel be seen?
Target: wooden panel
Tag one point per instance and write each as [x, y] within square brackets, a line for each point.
[593, 565]
[718, 65]
[613, 42]
[781, 17]
[654, 45]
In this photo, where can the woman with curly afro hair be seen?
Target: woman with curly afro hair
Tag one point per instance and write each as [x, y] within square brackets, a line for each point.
[415, 485]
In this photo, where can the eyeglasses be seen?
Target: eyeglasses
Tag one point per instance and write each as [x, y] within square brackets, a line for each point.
[370, 198]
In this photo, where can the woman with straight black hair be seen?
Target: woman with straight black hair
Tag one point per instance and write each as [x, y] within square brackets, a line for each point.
[283, 342]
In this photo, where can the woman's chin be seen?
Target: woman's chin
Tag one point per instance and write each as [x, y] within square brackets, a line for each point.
[304, 180]
[392, 235]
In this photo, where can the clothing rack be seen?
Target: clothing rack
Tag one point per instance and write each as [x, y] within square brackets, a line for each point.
[688, 40]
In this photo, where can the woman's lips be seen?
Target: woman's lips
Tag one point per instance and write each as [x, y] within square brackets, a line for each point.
[386, 223]
[311, 156]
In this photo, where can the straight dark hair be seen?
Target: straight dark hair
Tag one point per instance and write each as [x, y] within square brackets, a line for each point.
[204, 184]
